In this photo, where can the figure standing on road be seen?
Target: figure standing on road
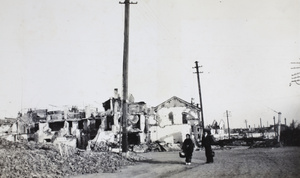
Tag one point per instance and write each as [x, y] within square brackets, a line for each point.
[188, 148]
[207, 142]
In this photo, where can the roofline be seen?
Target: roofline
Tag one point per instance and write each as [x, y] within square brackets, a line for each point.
[193, 106]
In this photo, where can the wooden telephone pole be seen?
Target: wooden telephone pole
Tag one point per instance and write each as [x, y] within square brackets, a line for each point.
[228, 124]
[125, 77]
[274, 126]
[200, 97]
[260, 123]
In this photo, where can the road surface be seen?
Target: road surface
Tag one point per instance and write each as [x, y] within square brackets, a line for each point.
[236, 162]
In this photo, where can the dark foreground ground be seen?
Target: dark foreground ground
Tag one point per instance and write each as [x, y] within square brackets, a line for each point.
[236, 162]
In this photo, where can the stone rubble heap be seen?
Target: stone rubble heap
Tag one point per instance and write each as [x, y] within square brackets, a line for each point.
[30, 159]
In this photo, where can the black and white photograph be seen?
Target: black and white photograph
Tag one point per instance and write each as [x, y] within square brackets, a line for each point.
[149, 88]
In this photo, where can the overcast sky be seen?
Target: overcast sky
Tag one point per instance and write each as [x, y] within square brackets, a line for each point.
[70, 52]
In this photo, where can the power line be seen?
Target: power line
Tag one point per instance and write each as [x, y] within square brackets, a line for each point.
[295, 75]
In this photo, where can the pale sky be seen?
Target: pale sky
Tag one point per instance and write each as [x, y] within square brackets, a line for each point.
[70, 52]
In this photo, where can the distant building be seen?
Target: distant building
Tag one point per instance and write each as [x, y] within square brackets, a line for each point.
[174, 119]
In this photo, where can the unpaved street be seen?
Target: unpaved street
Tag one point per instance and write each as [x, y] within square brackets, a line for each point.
[237, 162]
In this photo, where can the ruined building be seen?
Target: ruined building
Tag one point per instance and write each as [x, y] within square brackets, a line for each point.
[83, 128]
[174, 119]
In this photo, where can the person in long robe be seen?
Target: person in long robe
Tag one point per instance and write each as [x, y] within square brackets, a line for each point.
[188, 148]
[207, 142]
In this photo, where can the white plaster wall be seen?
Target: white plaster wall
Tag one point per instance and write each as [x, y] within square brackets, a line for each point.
[142, 137]
[14, 127]
[74, 127]
[117, 115]
[170, 134]
[4, 128]
[44, 132]
[151, 120]
[142, 122]
[11, 138]
[164, 115]
[88, 112]
[270, 135]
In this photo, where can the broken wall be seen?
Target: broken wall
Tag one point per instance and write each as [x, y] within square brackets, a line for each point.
[169, 134]
[170, 116]
[44, 133]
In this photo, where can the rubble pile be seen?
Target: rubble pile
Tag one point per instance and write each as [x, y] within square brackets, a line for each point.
[163, 146]
[101, 146]
[142, 148]
[265, 144]
[172, 147]
[156, 146]
[30, 159]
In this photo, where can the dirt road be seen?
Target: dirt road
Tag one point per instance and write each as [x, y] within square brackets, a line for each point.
[237, 162]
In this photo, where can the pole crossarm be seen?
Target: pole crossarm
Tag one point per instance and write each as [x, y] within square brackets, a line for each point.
[127, 2]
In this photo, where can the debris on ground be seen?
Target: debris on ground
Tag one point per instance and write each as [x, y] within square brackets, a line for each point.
[172, 147]
[31, 159]
[156, 146]
[98, 146]
[142, 148]
[265, 143]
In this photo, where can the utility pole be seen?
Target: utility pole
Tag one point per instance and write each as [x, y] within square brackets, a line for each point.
[125, 77]
[284, 121]
[228, 124]
[279, 127]
[200, 97]
[260, 123]
[274, 126]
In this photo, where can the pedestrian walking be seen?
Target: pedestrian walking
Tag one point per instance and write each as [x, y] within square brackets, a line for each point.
[207, 142]
[188, 148]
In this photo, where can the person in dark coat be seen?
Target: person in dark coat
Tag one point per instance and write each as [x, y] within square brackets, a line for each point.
[207, 142]
[188, 148]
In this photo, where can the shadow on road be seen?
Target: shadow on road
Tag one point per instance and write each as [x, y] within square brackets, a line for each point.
[162, 162]
[168, 162]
